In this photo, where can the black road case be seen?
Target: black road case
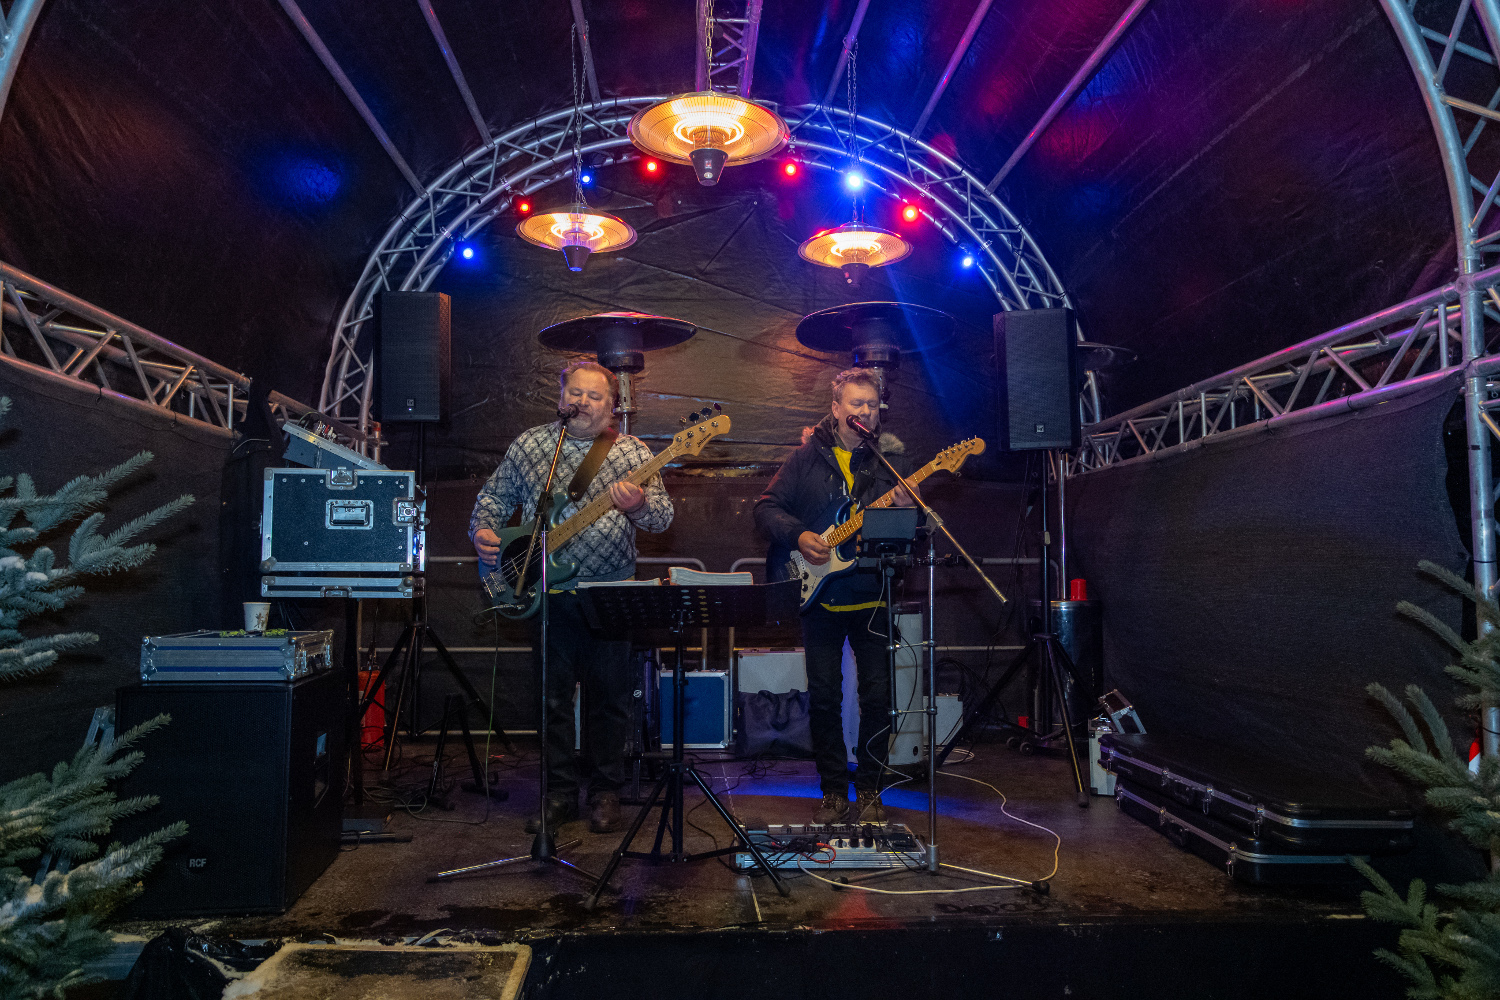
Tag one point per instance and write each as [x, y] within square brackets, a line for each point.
[220, 656]
[342, 521]
[1257, 860]
[1227, 804]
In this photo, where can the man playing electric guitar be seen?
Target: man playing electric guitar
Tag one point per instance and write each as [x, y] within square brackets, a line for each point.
[605, 551]
[833, 465]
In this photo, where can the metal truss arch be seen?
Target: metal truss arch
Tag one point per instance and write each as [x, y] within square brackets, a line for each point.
[1434, 50]
[467, 196]
[15, 30]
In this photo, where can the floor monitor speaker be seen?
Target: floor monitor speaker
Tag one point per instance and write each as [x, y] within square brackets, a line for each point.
[256, 770]
[412, 355]
[1036, 352]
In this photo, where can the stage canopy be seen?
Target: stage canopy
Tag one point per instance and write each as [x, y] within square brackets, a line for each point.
[1234, 178]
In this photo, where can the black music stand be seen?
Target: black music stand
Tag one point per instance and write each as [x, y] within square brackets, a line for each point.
[620, 609]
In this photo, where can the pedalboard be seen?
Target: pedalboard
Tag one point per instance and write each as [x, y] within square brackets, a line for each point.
[840, 845]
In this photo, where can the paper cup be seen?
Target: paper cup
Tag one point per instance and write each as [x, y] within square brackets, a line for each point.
[257, 616]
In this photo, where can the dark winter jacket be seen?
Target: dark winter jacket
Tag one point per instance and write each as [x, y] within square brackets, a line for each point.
[806, 488]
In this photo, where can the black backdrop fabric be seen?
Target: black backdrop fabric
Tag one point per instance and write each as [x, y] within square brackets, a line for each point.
[1249, 588]
[56, 431]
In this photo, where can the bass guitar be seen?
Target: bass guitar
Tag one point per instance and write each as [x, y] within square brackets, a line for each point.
[512, 586]
[844, 522]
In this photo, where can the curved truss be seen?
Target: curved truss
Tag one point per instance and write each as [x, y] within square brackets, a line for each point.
[468, 195]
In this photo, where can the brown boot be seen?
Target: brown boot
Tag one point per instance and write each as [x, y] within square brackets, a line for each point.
[835, 809]
[559, 811]
[604, 813]
[868, 808]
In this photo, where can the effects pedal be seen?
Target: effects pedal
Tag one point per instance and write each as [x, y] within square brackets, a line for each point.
[840, 845]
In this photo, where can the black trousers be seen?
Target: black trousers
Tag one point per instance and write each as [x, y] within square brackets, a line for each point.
[579, 655]
[823, 635]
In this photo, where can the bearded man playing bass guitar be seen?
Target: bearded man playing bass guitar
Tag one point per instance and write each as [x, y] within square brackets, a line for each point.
[605, 551]
[835, 465]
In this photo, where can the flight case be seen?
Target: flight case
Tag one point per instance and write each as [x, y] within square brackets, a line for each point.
[1262, 820]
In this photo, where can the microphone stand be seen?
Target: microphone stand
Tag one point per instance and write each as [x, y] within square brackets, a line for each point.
[544, 846]
[931, 859]
[932, 516]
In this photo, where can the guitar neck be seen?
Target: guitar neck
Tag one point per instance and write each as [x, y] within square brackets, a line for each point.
[841, 533]
[601, 504]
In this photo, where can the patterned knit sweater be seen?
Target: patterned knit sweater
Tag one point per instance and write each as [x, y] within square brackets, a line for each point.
[605, 550]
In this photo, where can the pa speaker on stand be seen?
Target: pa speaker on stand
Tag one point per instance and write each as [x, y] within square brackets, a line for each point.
[1036, 353]
[413, 356]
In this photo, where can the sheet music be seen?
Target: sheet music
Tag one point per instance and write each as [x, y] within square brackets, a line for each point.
[681, 576]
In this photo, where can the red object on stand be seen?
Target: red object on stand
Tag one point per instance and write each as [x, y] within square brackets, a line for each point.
[1078, 589]
[372, 726]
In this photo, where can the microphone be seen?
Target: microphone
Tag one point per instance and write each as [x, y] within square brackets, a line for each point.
[567, 412]
[859, 428]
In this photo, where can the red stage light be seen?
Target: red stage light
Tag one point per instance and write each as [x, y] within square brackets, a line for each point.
[652, 166]
[521, 205]
[790, 169]
[909, 213]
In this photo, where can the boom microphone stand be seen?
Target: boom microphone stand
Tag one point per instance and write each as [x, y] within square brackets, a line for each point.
[933, 520]
[544, 846]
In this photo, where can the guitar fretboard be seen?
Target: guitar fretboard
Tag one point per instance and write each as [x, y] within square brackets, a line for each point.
[601, 504]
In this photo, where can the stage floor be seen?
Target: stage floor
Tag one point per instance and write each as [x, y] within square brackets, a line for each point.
[1107, 865]
[1119, 892]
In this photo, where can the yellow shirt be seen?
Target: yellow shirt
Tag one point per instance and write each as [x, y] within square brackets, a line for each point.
[843, 456]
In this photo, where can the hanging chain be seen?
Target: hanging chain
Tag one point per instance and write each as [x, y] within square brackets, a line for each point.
[708, 46]
[853, 78]
[577, 120]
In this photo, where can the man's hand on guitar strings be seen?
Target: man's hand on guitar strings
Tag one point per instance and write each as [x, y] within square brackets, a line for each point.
[628, 497]
[813, 548]
[487, 547]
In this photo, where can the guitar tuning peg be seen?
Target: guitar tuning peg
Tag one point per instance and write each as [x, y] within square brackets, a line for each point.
[718, 408]
[685, 419]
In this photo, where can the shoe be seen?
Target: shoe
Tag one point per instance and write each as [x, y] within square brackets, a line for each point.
[559, 811]
[868, 808]
[604, 813]
[835, 809]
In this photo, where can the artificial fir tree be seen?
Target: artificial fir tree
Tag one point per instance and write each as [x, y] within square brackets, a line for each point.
[56, 886]
[1450, 952]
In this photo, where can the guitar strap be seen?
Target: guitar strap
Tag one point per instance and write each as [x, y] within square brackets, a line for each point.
[589, 467]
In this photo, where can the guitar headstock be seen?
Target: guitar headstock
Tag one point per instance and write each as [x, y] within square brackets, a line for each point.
[707, 424]
[950, 459]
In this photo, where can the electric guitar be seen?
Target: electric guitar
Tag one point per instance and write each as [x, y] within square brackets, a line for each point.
[844, 524]
[512, 586]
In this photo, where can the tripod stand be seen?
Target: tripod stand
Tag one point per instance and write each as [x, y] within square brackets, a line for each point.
[1046, 652]
[678, 608]
[407, 652]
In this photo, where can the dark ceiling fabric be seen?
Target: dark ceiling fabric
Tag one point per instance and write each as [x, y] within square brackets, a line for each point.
[1237, 177]
[1249, 587]
[1223, 188]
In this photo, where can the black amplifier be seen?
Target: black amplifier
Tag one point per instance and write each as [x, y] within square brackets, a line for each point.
[257, 771]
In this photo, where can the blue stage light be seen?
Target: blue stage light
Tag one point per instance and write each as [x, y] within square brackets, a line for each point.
[968, 260]
[854, 180]
[586, 179]
[468, 253]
